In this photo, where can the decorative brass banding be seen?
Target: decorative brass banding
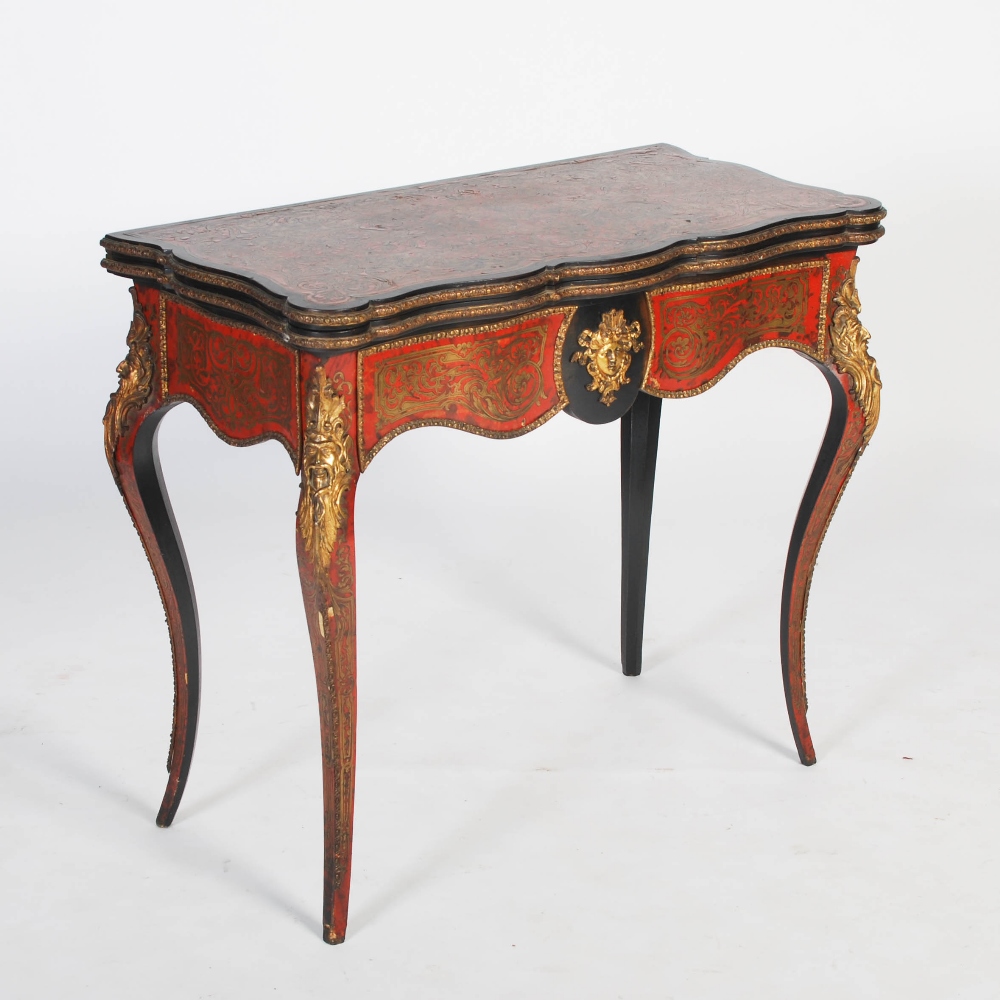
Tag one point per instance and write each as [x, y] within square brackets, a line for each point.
[135, 384]
[162, 338]
[607, 353]
[326, 465]
[849, 347]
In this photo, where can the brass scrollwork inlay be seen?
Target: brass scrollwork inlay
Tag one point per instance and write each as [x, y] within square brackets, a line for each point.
[607, 353]
[326, 465]
[135, 384]
[849, 346]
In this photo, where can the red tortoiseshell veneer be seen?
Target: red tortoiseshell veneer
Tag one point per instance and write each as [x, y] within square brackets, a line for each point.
[489, 304]
[702, 329]
[498, 380]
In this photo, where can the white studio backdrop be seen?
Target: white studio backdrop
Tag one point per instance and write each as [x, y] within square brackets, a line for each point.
[529, 823]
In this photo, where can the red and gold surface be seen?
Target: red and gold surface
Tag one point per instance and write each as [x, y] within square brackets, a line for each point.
[702, 330]
[497, 380]
[245, 384]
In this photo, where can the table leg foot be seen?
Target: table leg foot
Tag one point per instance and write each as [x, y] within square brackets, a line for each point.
[325, 547]
[131, 423]
[640, 436]
[331, 935]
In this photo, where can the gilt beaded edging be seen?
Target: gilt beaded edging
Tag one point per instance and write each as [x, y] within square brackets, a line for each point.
[164, 371]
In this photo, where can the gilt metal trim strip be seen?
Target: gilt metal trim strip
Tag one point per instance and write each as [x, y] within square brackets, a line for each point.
[164, 372]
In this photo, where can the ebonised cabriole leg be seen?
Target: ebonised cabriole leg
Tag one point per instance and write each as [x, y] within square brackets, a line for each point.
[640, 434]
[131, 422]
[154, 517]
[141, 480]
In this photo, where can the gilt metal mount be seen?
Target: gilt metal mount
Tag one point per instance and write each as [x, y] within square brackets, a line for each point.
[607, 353]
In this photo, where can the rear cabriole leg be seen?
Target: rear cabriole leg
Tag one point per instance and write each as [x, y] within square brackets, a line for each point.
[640, 435]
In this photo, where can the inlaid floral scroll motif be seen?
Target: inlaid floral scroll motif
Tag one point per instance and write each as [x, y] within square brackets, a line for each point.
[247, 381]
[498, 380]
[703, 329]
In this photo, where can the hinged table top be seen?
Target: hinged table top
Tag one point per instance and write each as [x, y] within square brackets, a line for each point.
[340, 266]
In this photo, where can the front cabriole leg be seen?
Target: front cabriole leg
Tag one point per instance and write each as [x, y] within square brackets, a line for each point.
[131, 422]
[325, 547]
[854, 386]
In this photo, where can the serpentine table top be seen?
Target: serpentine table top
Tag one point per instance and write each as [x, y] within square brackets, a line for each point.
[348, 271]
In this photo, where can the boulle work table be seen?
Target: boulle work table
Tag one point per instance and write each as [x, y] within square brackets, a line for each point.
[598, 286]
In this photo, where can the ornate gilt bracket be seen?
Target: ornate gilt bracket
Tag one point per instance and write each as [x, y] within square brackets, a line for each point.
[849, 346]
[135, 384]
[327, 465]
[607, 353]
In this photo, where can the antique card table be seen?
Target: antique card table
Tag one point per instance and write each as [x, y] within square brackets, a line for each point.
[599, 286]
